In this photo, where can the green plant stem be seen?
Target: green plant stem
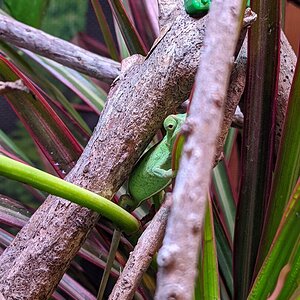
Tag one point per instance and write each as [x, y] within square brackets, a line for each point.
[58, 187]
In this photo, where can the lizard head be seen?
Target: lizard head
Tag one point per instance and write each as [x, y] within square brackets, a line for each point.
[172, 125]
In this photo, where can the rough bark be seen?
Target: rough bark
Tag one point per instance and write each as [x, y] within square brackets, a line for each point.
[182, 240]
[57, 49]
[33, 264]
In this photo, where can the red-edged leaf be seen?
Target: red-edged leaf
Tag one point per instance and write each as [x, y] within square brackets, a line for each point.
[132, 38]
[142, 21]
[52, 136]
[109, 41]
[258, 137]
[12, 212]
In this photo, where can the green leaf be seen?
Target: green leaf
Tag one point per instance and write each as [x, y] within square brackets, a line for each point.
[207, 286]
[30, 13]
[224, 194]
[287, 168]
[285, 250]
[7, 142]
[224, 251]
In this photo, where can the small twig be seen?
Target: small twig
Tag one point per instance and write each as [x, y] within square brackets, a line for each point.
[139, 260]
[178, 257]
[9, 86]
[58, 50]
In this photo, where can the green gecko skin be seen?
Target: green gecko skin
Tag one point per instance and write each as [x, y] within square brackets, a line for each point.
[154, 172]
[195, 7]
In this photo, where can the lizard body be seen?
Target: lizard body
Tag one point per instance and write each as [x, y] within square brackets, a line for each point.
[154, 170]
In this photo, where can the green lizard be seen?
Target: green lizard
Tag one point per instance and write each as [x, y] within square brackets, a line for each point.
[152, 174]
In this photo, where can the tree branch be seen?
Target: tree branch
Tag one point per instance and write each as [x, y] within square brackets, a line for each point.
[178, 257]
[150, 241]
[139, 260]
[167, 11]
[136, 106]
[57, 49]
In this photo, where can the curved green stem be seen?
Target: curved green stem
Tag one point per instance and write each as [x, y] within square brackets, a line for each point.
[43, 181]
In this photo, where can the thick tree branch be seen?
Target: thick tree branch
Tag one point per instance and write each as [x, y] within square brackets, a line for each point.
[137, 104]
[178, 257]
[167, 11]
[288, 61]
[57, 49]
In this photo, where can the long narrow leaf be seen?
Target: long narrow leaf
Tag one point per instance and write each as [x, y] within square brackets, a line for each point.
[12, 213]
[287, 168]
[124, 52]
[292, 280]
[24, 60]
[208, 273]
[286, 242]
[8, 144]
[109, 41]
[89, 92]
[257, 158]
[49, 132]
[131, 36]
[224, 252]
[225, 196]
[142, 21]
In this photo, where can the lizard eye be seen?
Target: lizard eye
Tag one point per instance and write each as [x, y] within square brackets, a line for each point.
[170, 123]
